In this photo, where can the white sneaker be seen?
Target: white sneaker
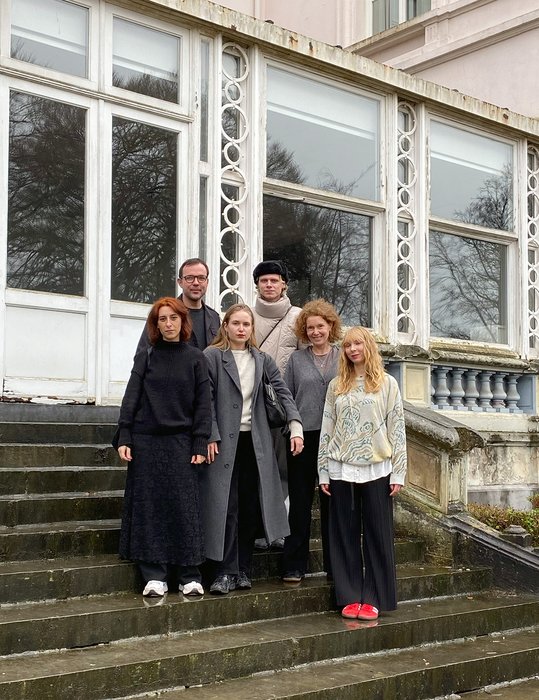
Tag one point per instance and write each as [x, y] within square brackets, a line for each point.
[191, 588]
[155, 589]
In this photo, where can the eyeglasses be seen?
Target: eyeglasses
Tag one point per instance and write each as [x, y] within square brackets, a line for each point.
[192, 278]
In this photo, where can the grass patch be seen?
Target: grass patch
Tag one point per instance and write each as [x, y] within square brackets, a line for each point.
[500, 517]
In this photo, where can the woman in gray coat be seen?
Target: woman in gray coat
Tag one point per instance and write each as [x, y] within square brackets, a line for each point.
[241, 487]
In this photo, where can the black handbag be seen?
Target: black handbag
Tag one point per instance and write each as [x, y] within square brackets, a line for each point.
[274, 408]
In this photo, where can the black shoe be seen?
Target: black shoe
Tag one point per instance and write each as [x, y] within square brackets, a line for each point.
[277, 544]
[223, 584]
[293, 577]
[243, 582]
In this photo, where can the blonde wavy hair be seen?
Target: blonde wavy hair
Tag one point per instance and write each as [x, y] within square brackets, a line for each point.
[374, 368]
[221, 340]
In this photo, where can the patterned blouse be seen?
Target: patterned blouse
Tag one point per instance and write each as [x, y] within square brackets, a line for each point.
[361, 429]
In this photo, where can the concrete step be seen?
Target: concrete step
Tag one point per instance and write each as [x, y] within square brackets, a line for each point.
[57, 455]
[42, 433]
[297, 642]
[24, 509]
[49, 540]
[60, 578]
[98, 620]
[53, 479]
[516, 690]
[411, 674]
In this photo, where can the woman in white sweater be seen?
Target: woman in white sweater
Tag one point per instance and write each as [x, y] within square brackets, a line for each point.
[361, 465]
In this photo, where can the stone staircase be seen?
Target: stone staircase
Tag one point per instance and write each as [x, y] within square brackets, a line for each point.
[73, 622]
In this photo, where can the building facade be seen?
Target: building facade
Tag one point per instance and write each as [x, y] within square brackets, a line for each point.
[138, 134]
[484, 48]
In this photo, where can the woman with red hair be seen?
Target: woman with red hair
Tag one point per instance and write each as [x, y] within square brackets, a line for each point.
[164, 426]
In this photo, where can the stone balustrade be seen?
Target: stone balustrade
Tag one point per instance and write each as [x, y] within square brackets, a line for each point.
[482, 390]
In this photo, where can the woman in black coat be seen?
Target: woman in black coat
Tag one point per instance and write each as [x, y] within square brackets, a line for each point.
[241, 486]
[164, 426]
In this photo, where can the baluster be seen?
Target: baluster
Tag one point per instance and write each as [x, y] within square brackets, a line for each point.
[485, 394]
[441, 390]
[512, 397]
[457, 390]
[498, 392]
[471, 393]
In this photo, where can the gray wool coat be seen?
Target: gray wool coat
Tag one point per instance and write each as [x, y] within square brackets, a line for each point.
[226, 415]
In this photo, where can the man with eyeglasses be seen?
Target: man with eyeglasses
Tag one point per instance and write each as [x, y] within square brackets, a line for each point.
[193, 281]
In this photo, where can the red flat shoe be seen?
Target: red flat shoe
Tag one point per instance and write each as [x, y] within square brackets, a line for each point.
[351, 611]
[367, 612]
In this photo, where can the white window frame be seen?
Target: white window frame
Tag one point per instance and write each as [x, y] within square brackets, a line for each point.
[58, 77]
[376, 210]
[85, 304]
[510, 239]
[185, 104]
[109, 307]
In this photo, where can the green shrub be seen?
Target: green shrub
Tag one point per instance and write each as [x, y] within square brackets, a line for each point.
[499, 518]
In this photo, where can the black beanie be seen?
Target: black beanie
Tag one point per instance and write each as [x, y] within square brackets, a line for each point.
[270, 267]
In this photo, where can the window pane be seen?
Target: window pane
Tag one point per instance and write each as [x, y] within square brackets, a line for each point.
[471, 178]
[327, 253]
[143, 211]
[46, 195]
[145, 60]
[204, 98]
[468, 288]
[322, 136]
[50, 33]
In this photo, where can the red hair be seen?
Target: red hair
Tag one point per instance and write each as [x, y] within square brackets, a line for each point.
[177, 305]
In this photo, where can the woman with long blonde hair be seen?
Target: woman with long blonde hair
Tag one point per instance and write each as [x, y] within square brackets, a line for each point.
[241, 488]
[362, 465]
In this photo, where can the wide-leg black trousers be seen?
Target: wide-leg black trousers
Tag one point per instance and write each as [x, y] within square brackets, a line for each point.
[244, 516]
[302, 478]
[361, 543]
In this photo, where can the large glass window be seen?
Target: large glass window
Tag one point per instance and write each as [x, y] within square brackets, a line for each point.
[322, 136]
[46, 195]
[327, 253]
[143, 211]
[468, 288]
[50, 33]
[471, 178]
[145, 60]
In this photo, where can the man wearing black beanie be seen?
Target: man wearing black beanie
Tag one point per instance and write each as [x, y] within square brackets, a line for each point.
[275, 319]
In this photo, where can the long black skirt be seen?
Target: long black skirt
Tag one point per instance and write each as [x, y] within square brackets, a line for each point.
[161, 511]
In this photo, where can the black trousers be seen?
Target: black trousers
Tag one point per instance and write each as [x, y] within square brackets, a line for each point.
[244, 517]
[302, 479]
[361, 543]
[153, 571]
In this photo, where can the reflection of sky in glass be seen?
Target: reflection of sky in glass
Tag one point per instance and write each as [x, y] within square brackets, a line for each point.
[470, 177]
[145, 60]
[50, 33]
[468, 288]
[332, 134]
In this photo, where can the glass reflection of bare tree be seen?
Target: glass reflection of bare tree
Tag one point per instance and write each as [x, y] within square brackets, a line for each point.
[467, 275]
[327, 251]
[143, 211]
[46, 195]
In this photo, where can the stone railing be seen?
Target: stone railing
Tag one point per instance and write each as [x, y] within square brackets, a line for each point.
[482, 390]
[438, 459]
